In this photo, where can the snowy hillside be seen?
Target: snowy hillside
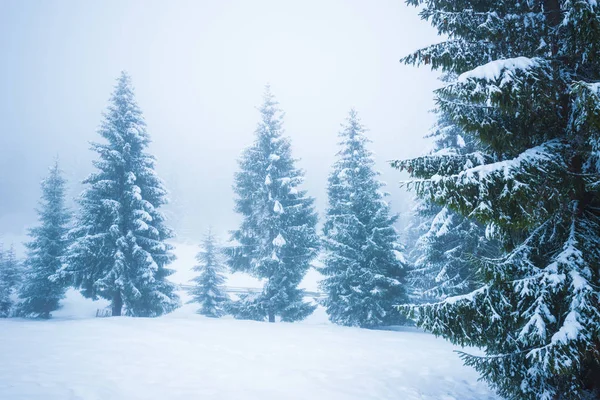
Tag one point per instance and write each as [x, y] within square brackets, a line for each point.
[198, 358]
[186, 356]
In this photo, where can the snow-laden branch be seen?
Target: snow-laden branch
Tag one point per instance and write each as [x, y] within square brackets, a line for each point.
[533, 156]
[497, 68]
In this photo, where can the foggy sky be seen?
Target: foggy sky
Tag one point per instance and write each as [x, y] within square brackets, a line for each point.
[199, 69]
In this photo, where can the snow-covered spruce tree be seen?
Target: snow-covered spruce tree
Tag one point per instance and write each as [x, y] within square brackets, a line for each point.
[364, 273]
[207, 290]
[41, 295]
[528, 90]
[10, 280]
[277, 238]
[443, 258]
[119, 251]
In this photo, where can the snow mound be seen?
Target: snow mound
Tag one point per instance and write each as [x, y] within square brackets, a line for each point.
[75, 306]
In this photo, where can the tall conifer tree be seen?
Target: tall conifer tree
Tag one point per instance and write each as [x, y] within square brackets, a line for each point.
[363, 268]
[119, 249]
[277, 238]
[41, 294]
[528, 90]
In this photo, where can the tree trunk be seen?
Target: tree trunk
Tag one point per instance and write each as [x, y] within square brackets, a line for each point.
[554, 18]
[270, 306]
[117, 304]
[271, 315]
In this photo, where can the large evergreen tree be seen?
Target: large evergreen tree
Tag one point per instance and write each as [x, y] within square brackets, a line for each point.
[277, 238]
[41, 295]
[363, 266]
[119, 249]
[208, 291]
[528, 91]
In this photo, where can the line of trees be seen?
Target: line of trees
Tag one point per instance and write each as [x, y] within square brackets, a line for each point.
[278, 238]
[503, 252]
[115, 246]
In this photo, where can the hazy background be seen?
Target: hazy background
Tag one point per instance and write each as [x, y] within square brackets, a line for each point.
[199, 68]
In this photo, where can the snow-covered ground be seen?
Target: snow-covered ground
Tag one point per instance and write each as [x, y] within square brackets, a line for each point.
[186, 356]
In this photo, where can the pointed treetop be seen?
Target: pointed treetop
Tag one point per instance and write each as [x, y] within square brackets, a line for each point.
[124, 86]
[209, 236]
[270, 105]
[353, 114]
[124, 79]
[55, 167]
[353, 126]
[353, 136]
[124, 121]
[53, 188]
[267, 94]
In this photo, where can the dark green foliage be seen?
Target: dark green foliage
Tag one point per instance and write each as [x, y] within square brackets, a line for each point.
[527, 94]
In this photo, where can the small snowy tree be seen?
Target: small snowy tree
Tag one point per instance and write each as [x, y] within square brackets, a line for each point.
[41, 295]
[119, 249]
[528, 91]
[277, 238]
[364, 273]
[10, 279]
[208, 291]
[5, 289]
